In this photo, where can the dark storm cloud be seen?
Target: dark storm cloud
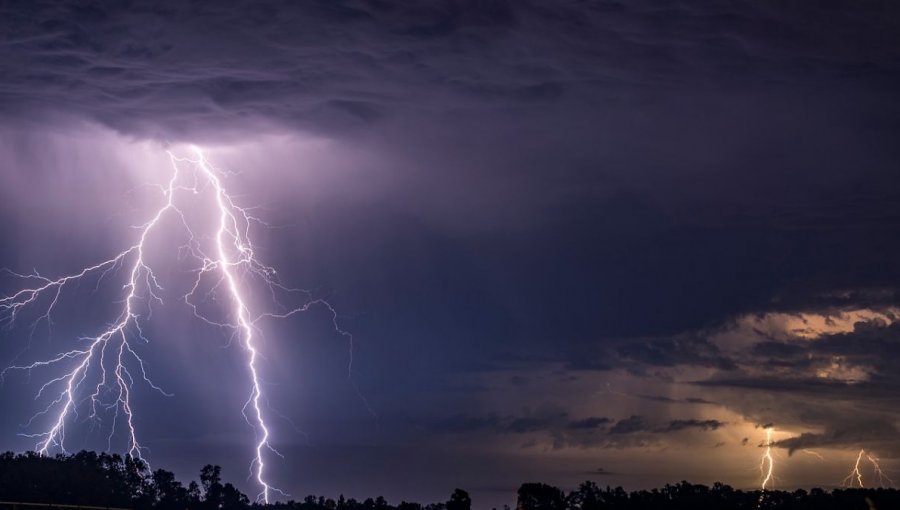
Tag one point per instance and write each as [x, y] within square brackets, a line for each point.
[542, 420]
[164, 67]
[844, 385]
[668, 400]
[629, 425]
[593, 431]
[677, 425]
[866, 433]
[670, 352]
[654, 147]
[595, 188]
[873, 348]
[634, 424]
[589, 423]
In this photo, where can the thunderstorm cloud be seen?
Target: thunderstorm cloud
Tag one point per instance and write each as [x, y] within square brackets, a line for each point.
[564, 233]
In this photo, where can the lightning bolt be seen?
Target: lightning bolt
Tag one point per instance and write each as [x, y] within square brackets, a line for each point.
[767, 463]
[814, 454]
[230, 234]
[877, 468]
[109, 354]
[856, 477]
[855, 473]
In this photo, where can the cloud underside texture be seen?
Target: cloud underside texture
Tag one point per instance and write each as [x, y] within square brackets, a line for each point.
[173, 68]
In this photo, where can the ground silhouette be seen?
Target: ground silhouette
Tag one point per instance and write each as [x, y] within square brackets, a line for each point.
[110, 480]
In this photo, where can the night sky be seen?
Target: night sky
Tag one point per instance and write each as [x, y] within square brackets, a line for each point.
[572, 239]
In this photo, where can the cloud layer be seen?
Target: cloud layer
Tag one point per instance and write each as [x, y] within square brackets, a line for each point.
[171, 68]
[565, 233]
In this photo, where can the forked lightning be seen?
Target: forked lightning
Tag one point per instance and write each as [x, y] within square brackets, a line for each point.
[855, 478]
[107, 356]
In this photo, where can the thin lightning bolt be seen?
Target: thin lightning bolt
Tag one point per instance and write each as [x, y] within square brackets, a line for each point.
[767, 463]
[855, 473]
[814, 454]
[115, 335]
[856, 477]
[110, 353]
[881, 476]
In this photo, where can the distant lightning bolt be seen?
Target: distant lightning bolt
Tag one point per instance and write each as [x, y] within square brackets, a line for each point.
[814, 454]
[881, 476]
[767, 463]
[111, 352]
[855, 473]
[856, 478]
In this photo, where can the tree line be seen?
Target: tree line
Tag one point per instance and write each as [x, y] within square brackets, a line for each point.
[112, 480]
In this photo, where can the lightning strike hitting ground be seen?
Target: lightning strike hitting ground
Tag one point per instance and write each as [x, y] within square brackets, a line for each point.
[767, 463]
[855, 473]
[108, 355]
[856, 478]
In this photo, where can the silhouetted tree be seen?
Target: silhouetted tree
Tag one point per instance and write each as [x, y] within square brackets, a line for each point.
[587, 497]
[404, 505]
[459, 500]
[167, 491]
[233, 499]
[539, 496]
[211, 481]
[88, 478]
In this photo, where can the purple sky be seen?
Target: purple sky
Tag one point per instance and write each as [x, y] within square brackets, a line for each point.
[573, 239]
